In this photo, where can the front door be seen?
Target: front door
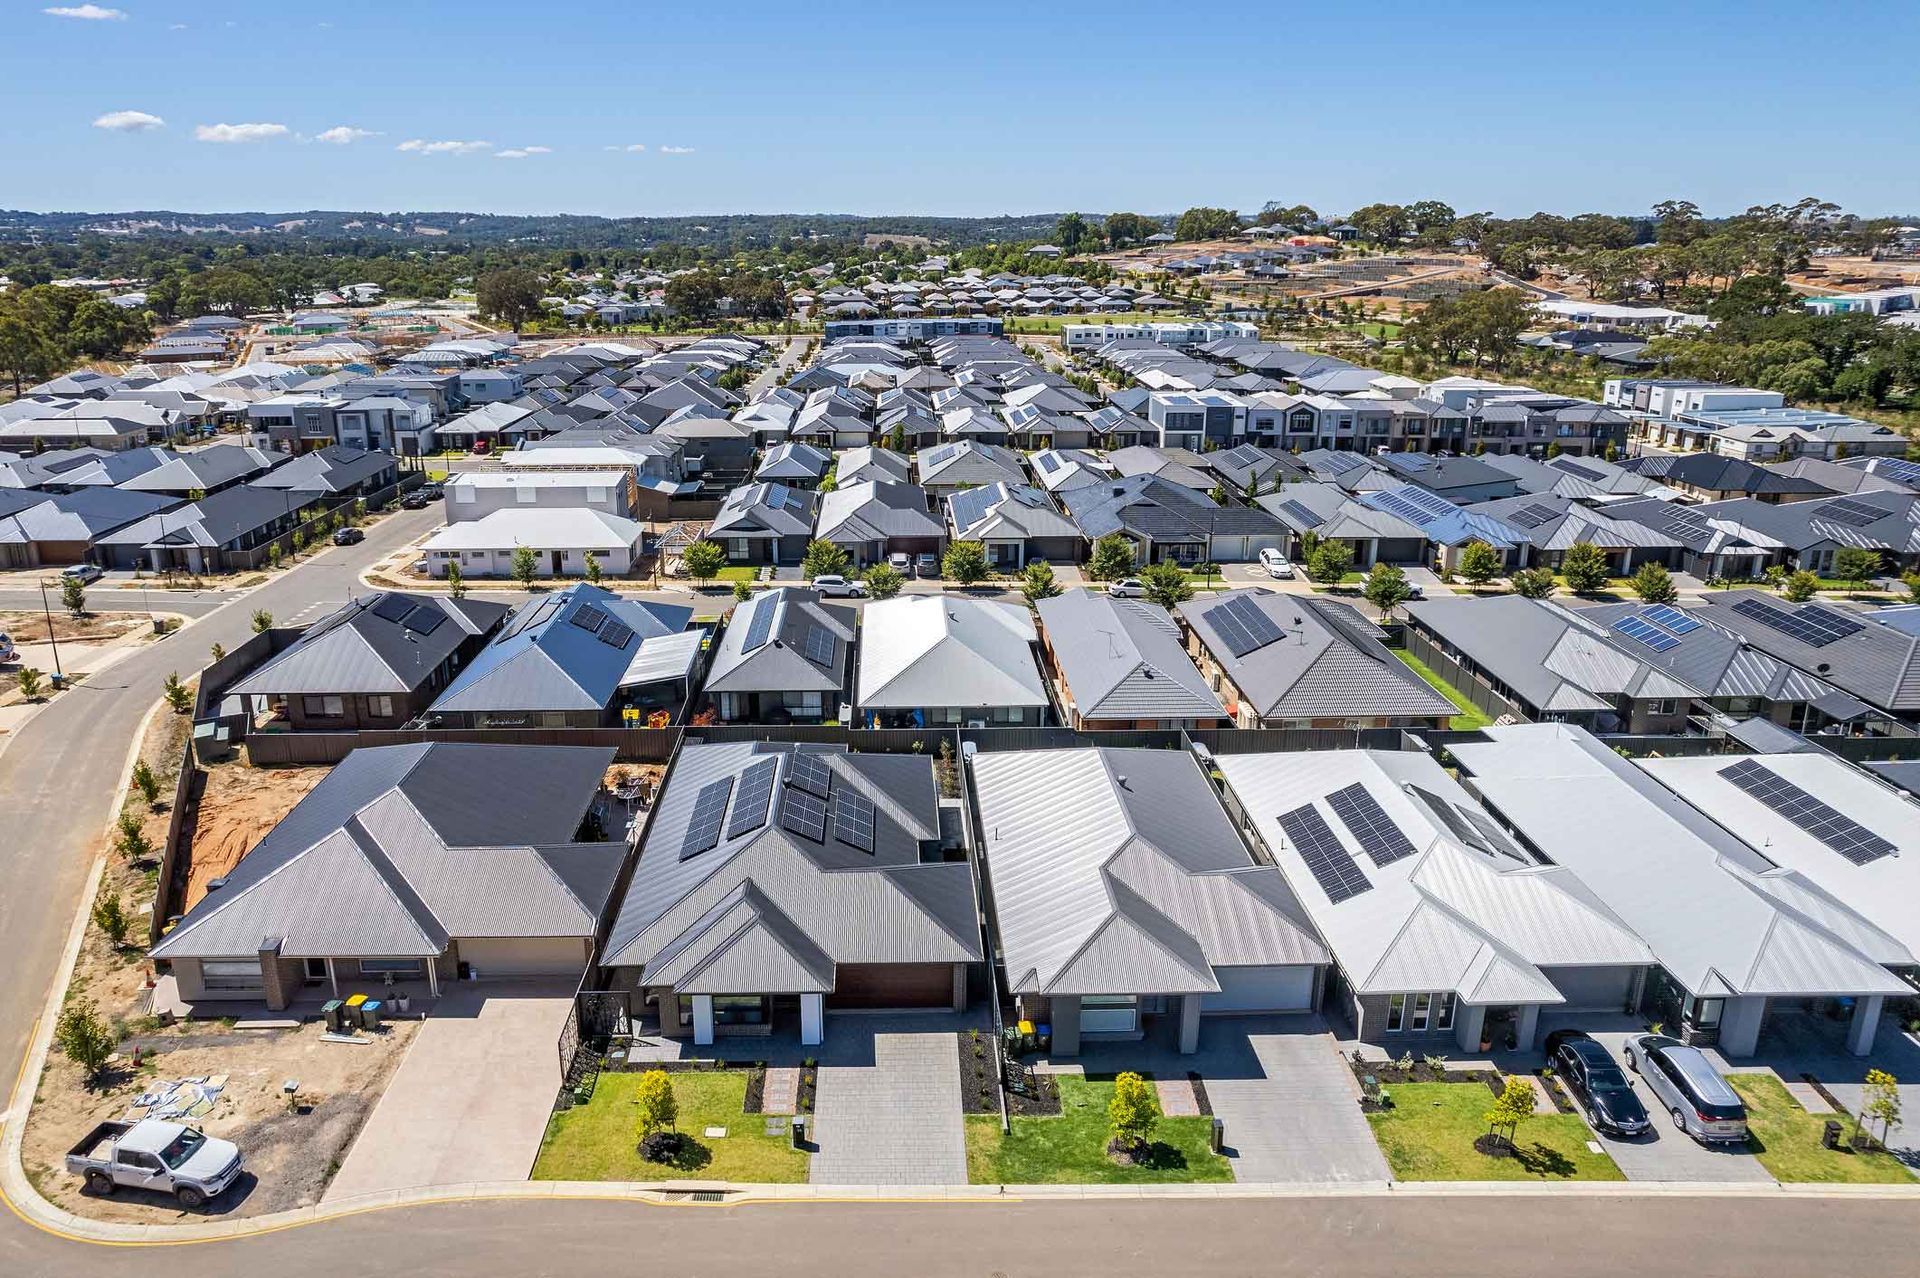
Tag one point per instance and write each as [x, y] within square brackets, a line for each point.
[558, 557]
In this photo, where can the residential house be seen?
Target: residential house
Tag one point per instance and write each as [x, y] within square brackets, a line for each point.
[860, 465]
[939, 659]
[474, 494]
[1016, 524]
[872, 520]
[786, 657]
[227, 531]
[562, 539]
[1711, 477]
[795, 465]
[765, 524]
[1167, 521]
[332, 475]
[40, 529]
[202, 471]
[1872, 661]
[1119, 664]
[947, 468]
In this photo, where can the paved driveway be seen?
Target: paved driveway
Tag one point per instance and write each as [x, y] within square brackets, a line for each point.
[470, 1102]
[886, 1106]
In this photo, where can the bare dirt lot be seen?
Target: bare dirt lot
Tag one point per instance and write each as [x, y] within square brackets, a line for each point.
[237, 808]
[92, 627]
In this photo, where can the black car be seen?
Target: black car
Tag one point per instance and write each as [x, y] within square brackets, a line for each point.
[348, 537]
[415, 500]
[1597, 1082]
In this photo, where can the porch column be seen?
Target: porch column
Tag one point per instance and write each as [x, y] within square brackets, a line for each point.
[1469, 1022]
[1189, 1023]
[1526, 1026]
[333, 978]
[1866, 1020]
[812, 1018]
[1637, 991]
[1740, 1025]
[703, 1020]
[959, 987]
[433, 977]
[1063, 1014]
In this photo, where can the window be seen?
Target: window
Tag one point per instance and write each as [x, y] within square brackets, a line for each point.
[397, 966]
[1705, 1013]
[1666, 707]
[315, 968]
[739, 1009]
[1443, 1011]
[381, 706]
[1396, 1013]
[231, 974]
[1422, 1005]
[324, 707]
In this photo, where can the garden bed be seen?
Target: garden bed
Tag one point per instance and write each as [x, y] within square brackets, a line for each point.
[599, 1140]
[978, 1073]
[1200, 1094]
[1556, 1092]
[1071, 1147]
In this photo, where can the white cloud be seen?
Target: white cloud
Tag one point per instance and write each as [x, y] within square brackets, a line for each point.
[342, 134]
[522, 152]
[87, 13]
[238, 132]
[421, 146]
[129, 122]
[676, 150]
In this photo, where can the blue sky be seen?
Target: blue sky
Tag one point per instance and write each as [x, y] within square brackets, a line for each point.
[973, 109]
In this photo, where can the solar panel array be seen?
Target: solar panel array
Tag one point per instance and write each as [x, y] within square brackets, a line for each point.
[615, 634]
[820, 645]
[1898, 469]
[1242, 626]
[1578, 471]
[1854, 514]
[1531, 516]
[1671, 619]
[393, 607]
[1635, 626]
[1814, 626]
[1329, 863]
[423, 620]
[589, 618]
[810, 772]
[1370, 825]
[804, 814]
[1301, 514]
[1414, 512]
[756, 796]
[761, 625]
[1840, 832]
[709, 811]
[853, 819]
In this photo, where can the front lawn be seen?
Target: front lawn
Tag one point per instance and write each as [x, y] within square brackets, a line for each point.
[1429, 1135]
[738, 572]
[1471, 718]
[1786, 1139]
[1071, 1149]
[598, 1140]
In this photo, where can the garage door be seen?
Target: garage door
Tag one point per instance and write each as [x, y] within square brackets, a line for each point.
[867, 985]
[1261, 989]
[525, 956]
[1590, 989]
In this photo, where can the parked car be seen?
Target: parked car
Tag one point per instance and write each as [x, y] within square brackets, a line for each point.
[348, 536]
[83, 573]
[834, 586]
[431, 490]
[7, 651]
[927, 564]
[1127, 588]
[1597, 1083]
[1276, 564]
[167, 1158]
[901, 562]
[481, 447]
[416, 500]
[1702, 1103]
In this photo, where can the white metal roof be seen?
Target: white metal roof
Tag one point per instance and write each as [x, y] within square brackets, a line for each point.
[941, 650]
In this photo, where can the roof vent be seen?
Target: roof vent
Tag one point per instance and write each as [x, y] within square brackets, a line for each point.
[215, 884]
[1120, 779]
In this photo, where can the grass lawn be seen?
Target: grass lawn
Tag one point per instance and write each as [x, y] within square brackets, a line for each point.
[1470, 718]
[1429, 1135]
[1786, 1138]
[597, 1141]
[1071, 1149]
[738, 572]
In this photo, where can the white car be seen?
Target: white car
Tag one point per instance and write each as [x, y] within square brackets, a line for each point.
[1276, 564]
[834, 586]
[83, 573]
[901, 562]
[1127, 588]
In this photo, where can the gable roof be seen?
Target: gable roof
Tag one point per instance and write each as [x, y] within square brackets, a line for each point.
[1122, 659]
[936, 650]
[559, 652]
[876, 511]
[387, 642]
[1875, 662]
[784, 621]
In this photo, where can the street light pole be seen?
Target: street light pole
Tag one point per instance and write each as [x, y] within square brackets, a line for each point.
[46, 610]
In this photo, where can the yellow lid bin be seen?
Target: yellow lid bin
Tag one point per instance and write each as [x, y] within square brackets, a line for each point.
[354, 1001]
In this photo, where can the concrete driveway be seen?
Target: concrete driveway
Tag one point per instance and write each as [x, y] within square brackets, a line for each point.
[470, 1102]
[886, 1110]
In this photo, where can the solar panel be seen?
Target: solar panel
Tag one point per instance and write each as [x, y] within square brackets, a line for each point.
[1580, 472]
[820, 645]
[853, 819]
[1531, 516]
[1854, 514]
[1370, 825]
[615, 634]
[423, 620]
[1048, 462]
[1810, 624]
[1301, 514]
[1898, 469]
[393, 607]
[756, 796]
[810, 772]
[1395, 504]
[761, 625]
[1329, 863]
[1689, 522]
[1638, 627]
[1671, 619]
[804, 814]
[1243, 625]
[1840, 832]
[589, 618]
[709, 809]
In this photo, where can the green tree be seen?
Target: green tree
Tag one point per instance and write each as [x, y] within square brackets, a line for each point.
[1112, 558]
[593, 567]
[456, 581]
[655, 1109]
[696, 295]
[110, 916]
[1654, 584]
[526, 565]
[511, 295]
[742, 592]
[85, 1038]
[1037, 582]
[965, 563]
[178, 695]
[1070, 231]
[825, 559]
[132, 839]
[1512, 1107]
[1133, 1112]
[1129, 228]
[883, 581]
[1880, 1101]
[147, 783]
[1479, 563]
[1912, 582]
[1533, 583]
[28, 680]
[1387, 588]
[1329, 560]
[703, 560]
[262, 621]
[1166, 584]
[73, 596]
[1203, 223]
[1585, 567]
[1856, 564]
[275, 555]
[1801, 586]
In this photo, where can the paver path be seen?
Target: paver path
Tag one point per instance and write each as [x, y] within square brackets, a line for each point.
[895, 1120]
[1176, 1097]
[780, 1093]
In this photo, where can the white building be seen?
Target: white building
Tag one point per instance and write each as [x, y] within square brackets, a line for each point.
[561, 541]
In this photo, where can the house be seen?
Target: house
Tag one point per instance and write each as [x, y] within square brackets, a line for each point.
[873, 520]
[1711, 477]
[1248, 468]
[1810, 534]
[110, 425]
[331, 475]
[786, 656]
[474, 494]
[227, 531]
[1180, 466]
[1016, 524]
[1166, 521]
[377, 661]
[795, 465]
[1548, 527]
[1119, 664]
[1876, 663]
[1123, 897]
[570, 659]
[778, 884]
[1461, 480]
[202, 471]
[1446, 526]
[765, 524]
[1736, 936]
[430, 863]
[562, 539]
[947, 468]
[859, 465]
[937, 659]
[1293, 661]
[39, 529]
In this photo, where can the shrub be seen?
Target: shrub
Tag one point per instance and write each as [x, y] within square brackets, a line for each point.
[1037, 582]
[28, 681]
[85, 1038]
[1479, 563]
[1585, 568]
[1133, 1112]
[262, 621]
[825, 559]
[1112, 558]
[1328, 561]
[1532, 583]
[178, 695]
[1800, 587]
[1386, 588]
[146, 783]
[965, 563]
[702, 560]
[1654, 584]
[883, 581]
[655, 1108]
[1167, 585]
[110, 916]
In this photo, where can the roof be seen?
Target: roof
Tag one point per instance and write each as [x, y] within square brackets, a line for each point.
[386, 642]
[541, 527]
[1877, 663]
[1160, 510]
[1718, 916]
[202, 469]
[82, 515]
[1117, 872]
[327, 470]
[1442, 901]
[935, 650]
[1006, 512]
[1714, 472]
[1122, 659]
[1314, 659]
[402, 848]
[743, 887]
[568, 650]
[215, 520]
[765, 510]
[876, 510]
[784, 640]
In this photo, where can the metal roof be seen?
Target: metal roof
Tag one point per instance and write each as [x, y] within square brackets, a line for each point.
[1122, 659]
[547, 657]
[387, 642]
[779, 661]
[942, 650]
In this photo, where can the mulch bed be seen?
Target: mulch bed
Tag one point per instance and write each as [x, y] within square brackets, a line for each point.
[977, 1069]
[1389, 1074]
[1200, 1094]
[756, 1089]
[1043, 1104]
[1493, 1146]
[1556, 1091]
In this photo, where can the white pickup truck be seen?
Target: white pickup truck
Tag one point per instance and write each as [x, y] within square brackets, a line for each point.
[167, 1158]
